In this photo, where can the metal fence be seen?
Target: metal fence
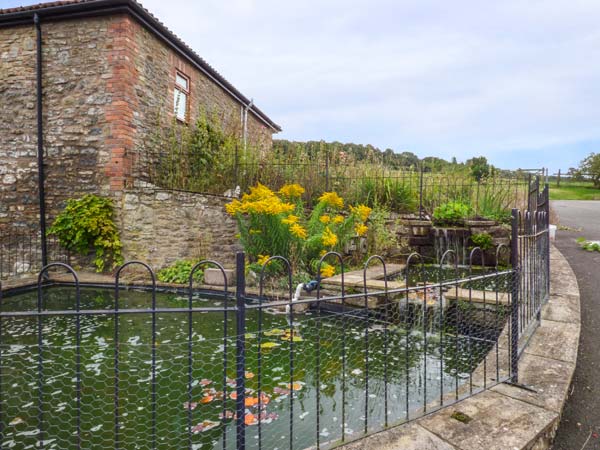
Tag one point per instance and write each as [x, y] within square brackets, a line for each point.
[403, 190]
[21, 253]
[124, 368]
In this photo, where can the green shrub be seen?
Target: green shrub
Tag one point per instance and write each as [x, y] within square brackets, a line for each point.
[451, 213]
[87, 223]
[482, 240]
[590, 246]
[179, 272]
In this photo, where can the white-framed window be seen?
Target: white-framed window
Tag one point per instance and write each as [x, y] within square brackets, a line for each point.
[181, 96]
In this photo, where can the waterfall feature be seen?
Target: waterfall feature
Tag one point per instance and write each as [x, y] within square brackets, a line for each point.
[455, 239]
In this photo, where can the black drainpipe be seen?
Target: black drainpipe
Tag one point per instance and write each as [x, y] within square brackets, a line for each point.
[40, 142]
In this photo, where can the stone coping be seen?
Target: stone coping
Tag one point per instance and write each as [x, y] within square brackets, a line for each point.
[508, 417]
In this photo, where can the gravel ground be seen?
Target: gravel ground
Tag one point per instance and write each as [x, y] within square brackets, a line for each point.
[580, 424]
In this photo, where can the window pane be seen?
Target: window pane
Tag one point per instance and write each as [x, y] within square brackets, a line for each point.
[181, 82]
[180, 104]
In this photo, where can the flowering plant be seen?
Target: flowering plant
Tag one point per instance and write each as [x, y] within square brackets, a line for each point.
[278, 223]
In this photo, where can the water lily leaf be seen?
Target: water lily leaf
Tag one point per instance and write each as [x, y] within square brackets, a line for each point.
[204, 426]
[205, 382]
[207, 399]
[267, 345]
[250, 419]
[275, 332]
[16, 421]
[249, 375]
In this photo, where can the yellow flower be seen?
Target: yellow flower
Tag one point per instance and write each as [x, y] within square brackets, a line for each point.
[262, 259]
[338, 219]
[362, 211]
[327, 271]
[290, 220]
[361, 229]
[258, 192]
[291, 190]
[329, 239]
[332, 199]
[253, 231]
[322, 253]
[298, 231]
[233, 208]
[325, 218]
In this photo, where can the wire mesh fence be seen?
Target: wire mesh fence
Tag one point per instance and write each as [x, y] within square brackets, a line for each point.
[126, 367]
[402, 190]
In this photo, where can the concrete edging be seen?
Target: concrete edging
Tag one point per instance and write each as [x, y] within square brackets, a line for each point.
[507, 417]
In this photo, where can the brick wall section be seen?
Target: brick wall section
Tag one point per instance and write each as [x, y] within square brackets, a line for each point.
[120, 111]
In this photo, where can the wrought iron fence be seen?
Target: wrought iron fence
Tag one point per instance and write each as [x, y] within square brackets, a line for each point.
[129, 368]
[21, 253]
[402, 190]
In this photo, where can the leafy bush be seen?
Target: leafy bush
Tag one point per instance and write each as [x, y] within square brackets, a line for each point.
[87, 223]
[272, 223]
[179, 272]
[451, 213]
[482, 240]
[590, 246]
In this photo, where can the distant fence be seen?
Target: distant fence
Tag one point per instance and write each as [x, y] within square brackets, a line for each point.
[80, 371]
[400, 189]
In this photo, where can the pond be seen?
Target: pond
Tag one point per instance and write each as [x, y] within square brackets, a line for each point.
[329, 351]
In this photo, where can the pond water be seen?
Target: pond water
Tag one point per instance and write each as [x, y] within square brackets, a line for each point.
[329, 356]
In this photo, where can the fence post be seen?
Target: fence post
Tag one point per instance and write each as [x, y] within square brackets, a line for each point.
[558, 179]
[421, 192]
[240, 359]
[514, 321]
[547, 201]
[327, 170]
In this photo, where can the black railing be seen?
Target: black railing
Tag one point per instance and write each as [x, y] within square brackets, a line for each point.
[403, 190]
[123, 368]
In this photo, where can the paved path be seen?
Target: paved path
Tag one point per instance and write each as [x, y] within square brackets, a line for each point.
[580, 424]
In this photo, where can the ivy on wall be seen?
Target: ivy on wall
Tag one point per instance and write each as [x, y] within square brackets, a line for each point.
[87, 224]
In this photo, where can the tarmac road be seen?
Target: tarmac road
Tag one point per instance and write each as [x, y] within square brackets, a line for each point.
[579, 428]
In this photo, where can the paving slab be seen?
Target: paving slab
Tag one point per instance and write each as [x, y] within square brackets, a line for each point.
[549, 379]
[404, 437]
[562, 308]
[496, 422]
[555, 340]
[475, 296]
[356, 277]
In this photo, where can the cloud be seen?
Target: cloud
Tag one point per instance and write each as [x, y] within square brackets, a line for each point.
[440, 78]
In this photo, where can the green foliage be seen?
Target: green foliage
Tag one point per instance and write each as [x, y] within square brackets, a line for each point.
[479, 167]
[179, 272]
[382, 238]
[482, 240]
[278, 223]
[590, 246]
[591, 167]
[87, 223]
[451, 213]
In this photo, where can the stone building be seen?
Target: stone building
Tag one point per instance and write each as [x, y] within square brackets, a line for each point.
[107, 69]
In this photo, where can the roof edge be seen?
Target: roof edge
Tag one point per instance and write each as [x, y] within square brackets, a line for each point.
[75, 10]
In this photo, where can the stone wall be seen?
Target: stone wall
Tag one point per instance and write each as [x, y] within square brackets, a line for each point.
[160, 227]
[105, 81]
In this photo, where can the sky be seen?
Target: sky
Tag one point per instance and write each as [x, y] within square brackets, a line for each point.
[517, 81]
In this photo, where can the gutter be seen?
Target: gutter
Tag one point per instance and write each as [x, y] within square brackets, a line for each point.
[93, 8]
[40, 140]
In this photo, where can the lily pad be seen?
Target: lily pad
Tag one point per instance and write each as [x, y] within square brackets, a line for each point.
[268, 345]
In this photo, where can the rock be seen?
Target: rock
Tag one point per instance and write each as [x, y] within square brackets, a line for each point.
[214, 277]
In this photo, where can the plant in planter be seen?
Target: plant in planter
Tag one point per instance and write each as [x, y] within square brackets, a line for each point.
[277, 223]
[484, 241]
[179, 272]
[451, 214]
[87, 223]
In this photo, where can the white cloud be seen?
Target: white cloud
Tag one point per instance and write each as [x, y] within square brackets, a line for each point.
[436, 77]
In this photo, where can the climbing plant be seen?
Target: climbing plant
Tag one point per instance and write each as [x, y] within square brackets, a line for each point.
[87, 224]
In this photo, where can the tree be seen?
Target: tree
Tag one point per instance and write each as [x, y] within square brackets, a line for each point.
[591, 166]
[479, 167]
